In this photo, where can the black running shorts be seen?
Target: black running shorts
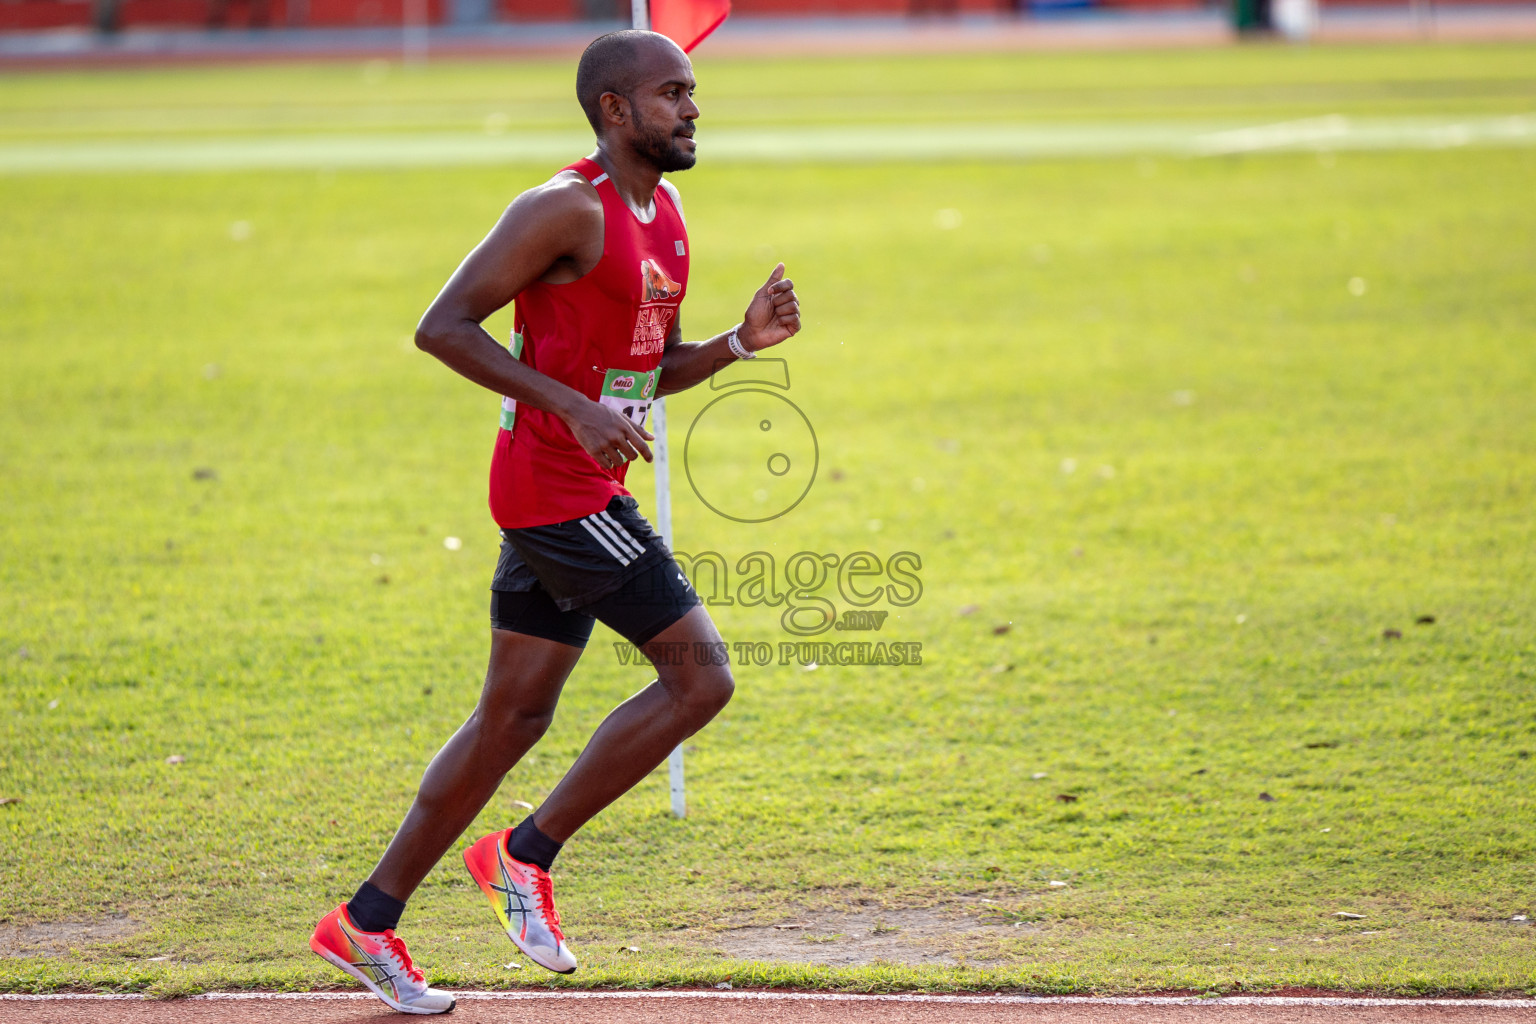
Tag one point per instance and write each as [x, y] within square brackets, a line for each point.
[554, 581]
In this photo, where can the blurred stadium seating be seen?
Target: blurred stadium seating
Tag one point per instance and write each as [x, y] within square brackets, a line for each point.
[21, 15]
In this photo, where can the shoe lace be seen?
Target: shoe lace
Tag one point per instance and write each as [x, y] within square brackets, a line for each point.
[544, 890]
[396, 946]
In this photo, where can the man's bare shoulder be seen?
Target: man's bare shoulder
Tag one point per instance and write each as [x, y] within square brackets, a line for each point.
[566, 198]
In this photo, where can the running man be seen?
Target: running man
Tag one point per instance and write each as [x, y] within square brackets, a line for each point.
[596, 260]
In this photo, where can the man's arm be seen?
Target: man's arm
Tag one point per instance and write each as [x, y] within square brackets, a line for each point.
[547, 233]
[773, 316]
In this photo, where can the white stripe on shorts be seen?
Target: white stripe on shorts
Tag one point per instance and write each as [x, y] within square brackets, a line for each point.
[626, 540]
[586, 524]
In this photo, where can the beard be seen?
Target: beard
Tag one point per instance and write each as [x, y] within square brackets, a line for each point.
[660, 148]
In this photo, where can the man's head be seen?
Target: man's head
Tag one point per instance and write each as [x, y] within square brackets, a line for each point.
[636, 89]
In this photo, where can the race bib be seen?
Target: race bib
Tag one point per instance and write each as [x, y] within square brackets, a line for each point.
[631, 392]
[508, 405]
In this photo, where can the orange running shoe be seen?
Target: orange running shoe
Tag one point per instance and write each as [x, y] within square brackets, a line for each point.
[523, 900]
[378, 960]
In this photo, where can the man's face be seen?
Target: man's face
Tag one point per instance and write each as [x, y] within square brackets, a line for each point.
[664, 111]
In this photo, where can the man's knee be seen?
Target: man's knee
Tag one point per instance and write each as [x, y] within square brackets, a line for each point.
[705, 690]
[719, 691]
[514, 726]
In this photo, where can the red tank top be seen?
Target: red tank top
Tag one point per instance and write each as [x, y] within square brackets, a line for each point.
[603, 335]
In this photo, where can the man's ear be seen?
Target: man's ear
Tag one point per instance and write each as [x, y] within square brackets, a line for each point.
[615, 108]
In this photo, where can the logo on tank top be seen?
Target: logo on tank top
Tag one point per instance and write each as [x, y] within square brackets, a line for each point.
[655, 321]
[658, 286]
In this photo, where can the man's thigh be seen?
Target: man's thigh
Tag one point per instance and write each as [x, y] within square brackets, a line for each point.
[526, 674]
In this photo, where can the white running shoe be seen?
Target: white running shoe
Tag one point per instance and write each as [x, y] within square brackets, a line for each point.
[523, 900]
[380, 961]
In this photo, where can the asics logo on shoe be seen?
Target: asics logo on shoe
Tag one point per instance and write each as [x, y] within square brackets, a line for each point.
[379, 969]
[509, 891]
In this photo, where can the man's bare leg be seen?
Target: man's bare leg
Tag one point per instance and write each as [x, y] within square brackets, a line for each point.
[522, 686]
[640, 733]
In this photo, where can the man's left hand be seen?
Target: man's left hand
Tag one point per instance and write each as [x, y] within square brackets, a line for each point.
[773, 315]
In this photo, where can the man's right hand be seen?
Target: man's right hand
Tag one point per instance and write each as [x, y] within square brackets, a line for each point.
[607, 434]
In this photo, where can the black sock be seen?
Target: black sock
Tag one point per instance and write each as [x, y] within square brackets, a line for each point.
[374, 910]
[529, 845]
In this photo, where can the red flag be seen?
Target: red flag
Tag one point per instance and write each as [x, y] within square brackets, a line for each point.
[687, 22]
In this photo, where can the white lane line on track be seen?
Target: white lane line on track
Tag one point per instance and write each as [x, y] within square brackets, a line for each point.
[827, 144]
[1314, 132]
[831, 997]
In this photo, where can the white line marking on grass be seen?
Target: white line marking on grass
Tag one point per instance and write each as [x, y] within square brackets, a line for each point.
[826, 144]
[833, 997]
[1316, 132]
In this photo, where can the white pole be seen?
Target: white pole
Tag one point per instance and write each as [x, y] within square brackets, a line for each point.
[664, 526]
[641, 13]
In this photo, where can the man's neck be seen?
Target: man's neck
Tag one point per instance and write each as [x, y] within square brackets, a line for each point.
[634, 178]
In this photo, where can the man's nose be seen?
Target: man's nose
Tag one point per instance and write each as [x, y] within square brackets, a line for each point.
[690, 110]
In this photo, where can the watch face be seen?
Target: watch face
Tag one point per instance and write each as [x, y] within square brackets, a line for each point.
[751, 455]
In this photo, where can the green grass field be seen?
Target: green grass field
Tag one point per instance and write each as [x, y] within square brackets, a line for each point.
[1200, 430]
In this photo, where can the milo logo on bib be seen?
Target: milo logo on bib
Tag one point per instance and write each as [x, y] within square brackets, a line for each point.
[630, 392]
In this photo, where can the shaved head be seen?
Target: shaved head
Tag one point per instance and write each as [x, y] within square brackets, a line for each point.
[616, 63]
